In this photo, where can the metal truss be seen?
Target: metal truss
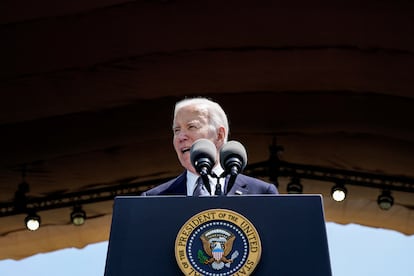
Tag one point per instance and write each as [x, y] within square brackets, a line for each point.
[273, 168]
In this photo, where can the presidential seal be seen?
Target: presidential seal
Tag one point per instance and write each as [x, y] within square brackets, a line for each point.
[218, 242]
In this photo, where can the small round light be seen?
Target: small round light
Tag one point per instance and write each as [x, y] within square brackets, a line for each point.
[385, 200]
[78, 216]
[32, 222]
[294, 186]
[339, 192]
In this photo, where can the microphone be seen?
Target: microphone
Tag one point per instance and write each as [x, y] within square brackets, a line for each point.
[203, 156]
[233, 158]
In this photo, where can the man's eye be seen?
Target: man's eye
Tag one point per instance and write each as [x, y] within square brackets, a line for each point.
[193, 127]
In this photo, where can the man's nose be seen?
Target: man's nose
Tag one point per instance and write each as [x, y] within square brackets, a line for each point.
[182, 135]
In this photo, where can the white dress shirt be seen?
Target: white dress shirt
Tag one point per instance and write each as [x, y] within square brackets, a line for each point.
[192, 181]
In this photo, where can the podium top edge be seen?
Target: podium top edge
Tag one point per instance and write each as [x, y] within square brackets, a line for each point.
[229, 196]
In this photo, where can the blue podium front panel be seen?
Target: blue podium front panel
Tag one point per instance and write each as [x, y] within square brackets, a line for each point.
[235, 235]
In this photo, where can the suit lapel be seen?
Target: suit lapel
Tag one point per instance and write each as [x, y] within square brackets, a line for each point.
[239, 187]
[178, 186]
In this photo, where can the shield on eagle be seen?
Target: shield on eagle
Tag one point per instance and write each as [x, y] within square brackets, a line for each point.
[217, 252]
[217, 244]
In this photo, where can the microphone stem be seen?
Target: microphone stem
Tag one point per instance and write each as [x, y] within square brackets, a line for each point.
[230, 183]
[234, 170]
[206, 182]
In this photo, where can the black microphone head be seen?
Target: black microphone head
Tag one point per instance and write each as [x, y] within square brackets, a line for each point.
[233, 154]
[203, 155]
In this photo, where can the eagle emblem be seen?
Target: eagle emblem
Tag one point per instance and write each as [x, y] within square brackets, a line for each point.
[217, 244]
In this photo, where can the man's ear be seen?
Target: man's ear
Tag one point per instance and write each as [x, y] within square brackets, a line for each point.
[221, 133]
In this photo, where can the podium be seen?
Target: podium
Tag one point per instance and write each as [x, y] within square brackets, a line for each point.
[234, 235]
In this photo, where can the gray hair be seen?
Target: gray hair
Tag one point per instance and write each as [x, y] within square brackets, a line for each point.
[216, 115]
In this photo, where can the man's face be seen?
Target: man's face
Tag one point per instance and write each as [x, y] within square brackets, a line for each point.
[191, 124]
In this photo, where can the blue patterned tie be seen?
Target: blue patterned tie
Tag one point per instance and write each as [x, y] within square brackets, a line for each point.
[199, 189]
[218, 187]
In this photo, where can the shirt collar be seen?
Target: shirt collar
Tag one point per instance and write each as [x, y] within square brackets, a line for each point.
[218, 170]
[191, 182]
[192, 178]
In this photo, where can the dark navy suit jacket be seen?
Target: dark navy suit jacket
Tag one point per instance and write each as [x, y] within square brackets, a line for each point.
[243, 185]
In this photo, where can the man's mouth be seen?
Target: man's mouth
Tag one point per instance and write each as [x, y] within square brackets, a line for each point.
[185, 150]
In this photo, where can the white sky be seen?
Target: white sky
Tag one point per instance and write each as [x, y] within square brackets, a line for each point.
[354, 250]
